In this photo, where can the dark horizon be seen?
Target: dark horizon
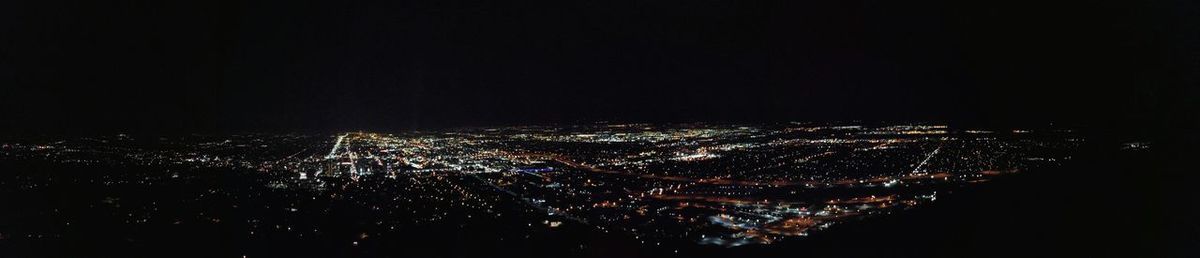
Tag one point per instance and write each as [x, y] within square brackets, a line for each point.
[227, 66]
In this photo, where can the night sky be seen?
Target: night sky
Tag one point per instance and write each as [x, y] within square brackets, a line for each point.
[283, 66]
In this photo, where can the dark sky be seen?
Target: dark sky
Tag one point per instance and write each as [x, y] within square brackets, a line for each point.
[204, 66]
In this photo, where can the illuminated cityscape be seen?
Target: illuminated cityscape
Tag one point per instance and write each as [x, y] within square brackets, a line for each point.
[669, 186]
[599, 129]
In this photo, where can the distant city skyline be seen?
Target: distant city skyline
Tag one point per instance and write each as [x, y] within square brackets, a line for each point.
[681, 184]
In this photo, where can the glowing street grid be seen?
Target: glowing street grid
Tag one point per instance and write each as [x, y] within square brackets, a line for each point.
[724, 185]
